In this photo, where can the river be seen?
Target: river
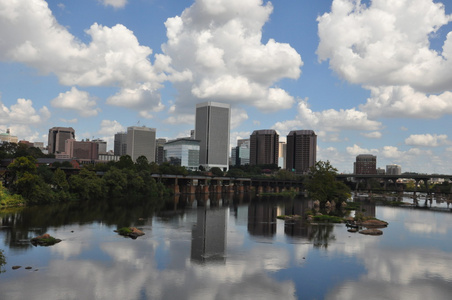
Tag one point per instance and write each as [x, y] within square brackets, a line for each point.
[224, 248]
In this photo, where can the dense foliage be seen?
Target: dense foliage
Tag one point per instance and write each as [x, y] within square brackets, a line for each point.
[2, 261]
[323, 186]
[47, 184]
[14, 150]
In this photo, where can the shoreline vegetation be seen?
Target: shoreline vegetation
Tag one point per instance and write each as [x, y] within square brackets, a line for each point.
[30, 184]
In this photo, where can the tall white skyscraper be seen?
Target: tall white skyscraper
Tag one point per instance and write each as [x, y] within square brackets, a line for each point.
[212, 130]
[141, 141]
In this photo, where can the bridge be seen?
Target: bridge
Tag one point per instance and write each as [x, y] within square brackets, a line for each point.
[392, 179]
[190, 184]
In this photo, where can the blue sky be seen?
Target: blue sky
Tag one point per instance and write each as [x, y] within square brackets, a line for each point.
[366, 76]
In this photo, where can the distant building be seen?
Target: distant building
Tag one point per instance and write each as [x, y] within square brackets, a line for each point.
[183, 152]
[240, 155]
[82, 150]
[393, 170]
[102, 146]
[159, 151]
[7, 137]
[301, 150]
[39, 145]
[141, 141]
[264, 147]
[120, 144]
[282, 150]
[57, 138]
[212, 124]
[27, 143]
[381, 171]
[108, 157]
[366, 164]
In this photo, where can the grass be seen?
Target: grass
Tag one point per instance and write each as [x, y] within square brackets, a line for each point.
[124, 231]
[328, 219]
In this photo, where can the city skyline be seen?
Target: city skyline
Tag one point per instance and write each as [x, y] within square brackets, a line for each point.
[358, 73]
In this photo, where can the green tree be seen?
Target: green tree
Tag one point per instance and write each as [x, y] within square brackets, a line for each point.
[86, 185]
[2, 261]
[125, 162]
[142, 163]
[323, 186]
[60, 180]
[235, 172]
[216, 171]
[45, 173]
[285, 175]
[22, 165]
[115, 182]
[34, 189]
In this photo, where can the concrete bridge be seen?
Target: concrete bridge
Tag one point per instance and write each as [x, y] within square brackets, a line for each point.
[392, 179]
[191, 184]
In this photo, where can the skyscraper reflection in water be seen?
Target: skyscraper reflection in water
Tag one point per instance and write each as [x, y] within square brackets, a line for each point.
[209, 235]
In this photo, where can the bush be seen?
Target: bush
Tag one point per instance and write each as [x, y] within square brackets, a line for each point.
[328, 219]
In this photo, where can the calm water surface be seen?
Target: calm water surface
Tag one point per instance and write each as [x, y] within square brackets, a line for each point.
[225, 248]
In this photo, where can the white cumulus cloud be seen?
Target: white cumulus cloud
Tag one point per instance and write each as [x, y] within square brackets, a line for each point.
[31, 35]
[427, 140]
[76, 100]
[114, 3]
[23, 112]
[218, 45]
[330, 120]
[386, 47]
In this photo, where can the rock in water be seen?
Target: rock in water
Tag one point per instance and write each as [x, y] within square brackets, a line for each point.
[371, 232]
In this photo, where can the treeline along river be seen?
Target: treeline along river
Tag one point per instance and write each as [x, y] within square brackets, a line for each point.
[223, 248]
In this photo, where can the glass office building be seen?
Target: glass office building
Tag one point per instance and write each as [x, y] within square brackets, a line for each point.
[182, 152]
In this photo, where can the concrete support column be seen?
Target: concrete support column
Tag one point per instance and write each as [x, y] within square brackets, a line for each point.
[190, 189]
[176, 189]
[260, 189]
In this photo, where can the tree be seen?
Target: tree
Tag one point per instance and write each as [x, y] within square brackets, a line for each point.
[285, 175]
[115, 181]
[86, 185]
[2, 261]
[142, 163]
[323, 186]
[60, 180]
[22, 165]
[125, 162]
[216, 171]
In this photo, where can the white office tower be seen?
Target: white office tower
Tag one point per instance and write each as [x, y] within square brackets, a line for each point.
[212, 130]
[141, 141]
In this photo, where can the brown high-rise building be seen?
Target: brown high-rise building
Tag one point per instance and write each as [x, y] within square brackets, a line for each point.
[366, 164]
[264, 147]
[301, 150]
[57, 138]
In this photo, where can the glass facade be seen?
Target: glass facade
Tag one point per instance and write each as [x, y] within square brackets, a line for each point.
[183, 152]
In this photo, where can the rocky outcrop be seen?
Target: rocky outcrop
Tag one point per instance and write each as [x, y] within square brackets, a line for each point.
[371, 232]
[131, 232]
[44, 240]
[374, 224]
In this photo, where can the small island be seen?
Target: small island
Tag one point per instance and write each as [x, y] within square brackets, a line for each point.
[131, 232]
[44, 240]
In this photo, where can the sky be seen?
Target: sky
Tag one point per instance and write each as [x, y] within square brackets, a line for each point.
[369, 77]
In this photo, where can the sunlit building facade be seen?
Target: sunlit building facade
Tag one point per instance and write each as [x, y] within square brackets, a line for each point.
[212, 124]
[182, 152]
